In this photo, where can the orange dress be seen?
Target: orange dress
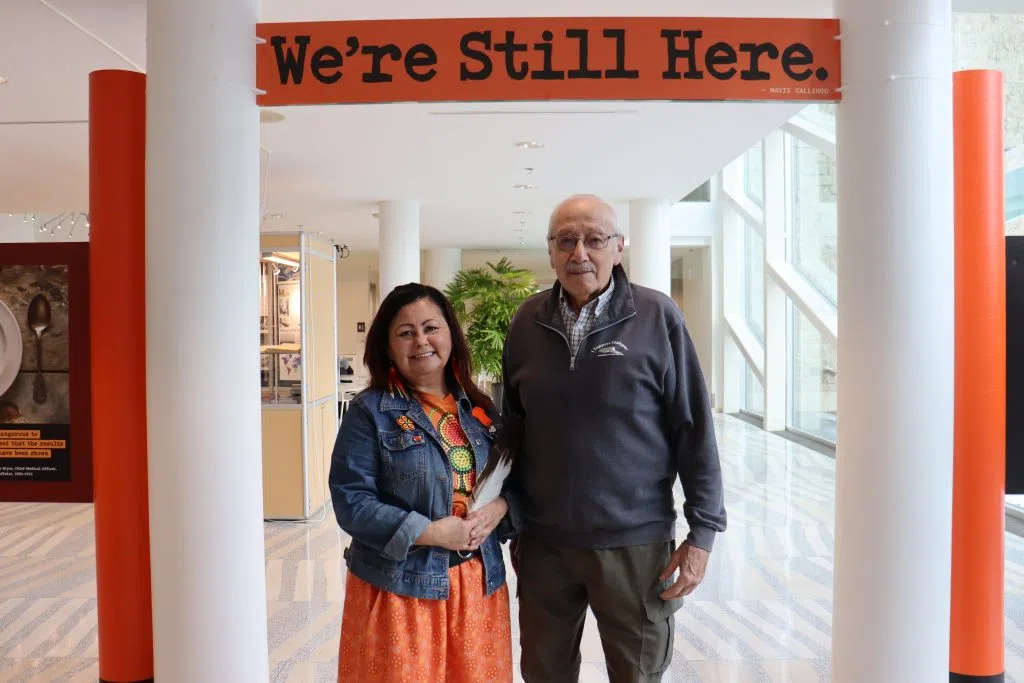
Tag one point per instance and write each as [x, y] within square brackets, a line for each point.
[389, 638]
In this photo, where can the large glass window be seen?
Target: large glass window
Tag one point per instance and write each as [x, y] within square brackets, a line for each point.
[812, 379]
[753, 173]
[753, 394]
[812, 216]
[753, 280]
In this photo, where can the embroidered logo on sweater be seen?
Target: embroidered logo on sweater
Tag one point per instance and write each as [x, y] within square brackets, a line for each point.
[612, 348]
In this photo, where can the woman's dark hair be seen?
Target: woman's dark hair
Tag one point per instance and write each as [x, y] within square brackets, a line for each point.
[458, 371]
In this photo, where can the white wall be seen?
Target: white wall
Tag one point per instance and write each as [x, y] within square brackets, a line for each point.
[439, 266]
[532, 259]
[691, 290]
[14, 228]
[355, 274]
[693, 221]
[358, 272]
[692, 225]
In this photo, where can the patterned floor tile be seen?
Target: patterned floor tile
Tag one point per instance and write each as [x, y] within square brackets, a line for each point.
[763, 613]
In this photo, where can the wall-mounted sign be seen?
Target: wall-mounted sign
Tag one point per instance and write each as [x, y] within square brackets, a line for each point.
[45, 410]
[517, 59]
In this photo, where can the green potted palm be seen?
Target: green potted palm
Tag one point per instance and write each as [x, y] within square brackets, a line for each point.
[485, 299]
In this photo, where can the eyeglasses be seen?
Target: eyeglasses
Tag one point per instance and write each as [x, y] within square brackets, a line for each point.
[567, 243]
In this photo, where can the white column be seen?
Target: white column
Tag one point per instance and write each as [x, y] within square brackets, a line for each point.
[775, 327]
[895, 452]
[202, 346]
[399, 245]
[441, 266]
[650, 244]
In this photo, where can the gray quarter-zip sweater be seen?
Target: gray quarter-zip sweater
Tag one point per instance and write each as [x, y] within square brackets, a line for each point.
[607, 431]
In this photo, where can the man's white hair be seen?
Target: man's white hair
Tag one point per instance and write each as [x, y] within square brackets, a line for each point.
[605, 208]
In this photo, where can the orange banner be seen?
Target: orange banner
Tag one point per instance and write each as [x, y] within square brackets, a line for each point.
[502, 59]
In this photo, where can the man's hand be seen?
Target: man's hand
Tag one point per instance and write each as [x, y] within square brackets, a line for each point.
[691, 562]
[483, 521]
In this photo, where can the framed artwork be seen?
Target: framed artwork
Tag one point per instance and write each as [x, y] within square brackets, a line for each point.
[45, 413]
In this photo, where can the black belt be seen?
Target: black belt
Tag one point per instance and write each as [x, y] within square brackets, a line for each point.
[456, 557]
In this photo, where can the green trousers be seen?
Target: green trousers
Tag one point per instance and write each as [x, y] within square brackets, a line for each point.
[620, 585]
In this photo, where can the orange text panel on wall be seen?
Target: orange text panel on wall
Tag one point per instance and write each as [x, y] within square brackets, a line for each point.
[531, 59]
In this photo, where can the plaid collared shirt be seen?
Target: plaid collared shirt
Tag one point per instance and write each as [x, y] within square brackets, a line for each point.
[578, 325]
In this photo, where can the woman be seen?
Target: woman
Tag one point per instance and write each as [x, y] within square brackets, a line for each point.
[426, 599]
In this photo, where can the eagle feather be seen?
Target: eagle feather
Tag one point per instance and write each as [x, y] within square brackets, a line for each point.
[504, 449]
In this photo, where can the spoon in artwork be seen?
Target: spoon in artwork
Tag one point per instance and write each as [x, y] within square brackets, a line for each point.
[39, 320]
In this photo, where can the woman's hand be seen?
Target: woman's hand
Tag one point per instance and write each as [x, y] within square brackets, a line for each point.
[483, 521]
[452, 533]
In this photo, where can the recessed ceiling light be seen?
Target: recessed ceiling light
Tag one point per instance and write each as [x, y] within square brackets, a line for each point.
[524, 186]
[529, 145]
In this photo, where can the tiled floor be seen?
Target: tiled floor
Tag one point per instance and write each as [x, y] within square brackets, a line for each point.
[762, 614]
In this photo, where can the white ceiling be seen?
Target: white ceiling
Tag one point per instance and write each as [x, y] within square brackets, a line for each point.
[329, 166]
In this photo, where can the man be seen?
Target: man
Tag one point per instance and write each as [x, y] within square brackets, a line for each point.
[606, 380]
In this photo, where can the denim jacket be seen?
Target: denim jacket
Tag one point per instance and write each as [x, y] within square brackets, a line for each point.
[387, 485]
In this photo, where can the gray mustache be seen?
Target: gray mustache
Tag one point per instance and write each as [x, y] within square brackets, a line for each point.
[577, 268]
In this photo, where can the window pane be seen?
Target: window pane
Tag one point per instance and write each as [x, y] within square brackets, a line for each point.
[812, 216]
[753, 173]
[753, 400]
[812, 379]
[753, 281]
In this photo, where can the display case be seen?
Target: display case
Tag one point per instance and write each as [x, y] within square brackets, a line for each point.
[298, 371]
